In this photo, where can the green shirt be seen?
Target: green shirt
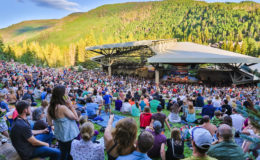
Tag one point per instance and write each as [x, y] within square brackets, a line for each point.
[199, 158]
[226, 150]
[216, 121]
[154, 104]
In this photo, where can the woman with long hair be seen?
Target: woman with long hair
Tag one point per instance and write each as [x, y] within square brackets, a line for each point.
[191, 117]
[121, 139]
[64, 116]
[175, 146]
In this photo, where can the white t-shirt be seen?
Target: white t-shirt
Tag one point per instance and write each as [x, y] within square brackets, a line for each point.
[237, 121]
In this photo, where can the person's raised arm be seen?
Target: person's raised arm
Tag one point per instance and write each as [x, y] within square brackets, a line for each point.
[108, 135]
[36, 142]
[70, 112]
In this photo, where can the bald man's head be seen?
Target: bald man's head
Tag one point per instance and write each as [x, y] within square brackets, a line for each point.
[225, 131]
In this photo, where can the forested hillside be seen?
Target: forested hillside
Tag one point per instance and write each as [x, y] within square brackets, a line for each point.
[231, 26]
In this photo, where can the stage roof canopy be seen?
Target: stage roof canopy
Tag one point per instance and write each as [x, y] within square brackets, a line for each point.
[170, 51]
[187, 52]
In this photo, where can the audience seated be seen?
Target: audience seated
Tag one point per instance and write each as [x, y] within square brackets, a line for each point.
[175, 146]
[22, 138]
[154, 104]
[201, 142]
[191, 116]
[118, 104]
[91, 108]
[85, 148]
[136, 110]
[217, 119]
[225, 148]
[120, 141]
[159, 139]
[208, 126]
[226, 108]
[126, 107]
[144, 144]
[145, 118]
[39, 124]
[208, 110]
[174, 114]
[160, 117]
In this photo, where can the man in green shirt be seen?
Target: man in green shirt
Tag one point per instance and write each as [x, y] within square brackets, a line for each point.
[226, 148]
[201, 141]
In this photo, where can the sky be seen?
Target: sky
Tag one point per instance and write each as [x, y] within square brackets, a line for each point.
[15, 11]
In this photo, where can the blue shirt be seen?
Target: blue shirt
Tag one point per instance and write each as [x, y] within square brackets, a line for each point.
[107, 98]
[4, 106]
[91, 108]
[208, 110]
[134, 156]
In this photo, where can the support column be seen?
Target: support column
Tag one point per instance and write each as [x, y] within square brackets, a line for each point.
[157, 76]
[109, 71]
[102, 68]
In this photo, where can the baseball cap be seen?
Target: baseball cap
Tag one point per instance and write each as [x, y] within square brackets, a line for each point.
[157, 126]
[201, 137]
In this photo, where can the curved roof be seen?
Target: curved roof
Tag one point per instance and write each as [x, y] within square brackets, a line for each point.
[187, 52]
[122, 45]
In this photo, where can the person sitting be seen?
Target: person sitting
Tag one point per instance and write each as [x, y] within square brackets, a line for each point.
[37, 92]
[217, 119]
[208, 110]
[39, 124]
[199, 101]
[174, 114]
[154, 104]
[201, 142]
[91, 108]
[126, 107]
[159, 139]
[79, 147]
[3, 125]
[120, 141]
[208, 126]
[237, 120]
[226, 108]
[191, 117]
[142, 103]
[118, 104]
[175, 146]
[169, 104]
[145, 118]
[11, 97]
[22, 138]
[29, 96]
[160, 117]
[135, 110]
[3, 104]
[225, 148]
[144, 144]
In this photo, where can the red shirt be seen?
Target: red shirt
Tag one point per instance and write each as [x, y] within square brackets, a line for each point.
[145, 119]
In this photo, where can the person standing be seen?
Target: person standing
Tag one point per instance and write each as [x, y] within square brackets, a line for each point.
[107, 100]
[62, 114]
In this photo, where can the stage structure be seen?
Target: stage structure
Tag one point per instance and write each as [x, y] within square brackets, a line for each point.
[160, 53]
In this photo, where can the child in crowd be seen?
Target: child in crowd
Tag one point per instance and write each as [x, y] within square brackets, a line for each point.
[145, 118]
[217, 119]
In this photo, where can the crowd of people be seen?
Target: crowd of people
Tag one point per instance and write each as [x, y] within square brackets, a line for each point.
[50, 112]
